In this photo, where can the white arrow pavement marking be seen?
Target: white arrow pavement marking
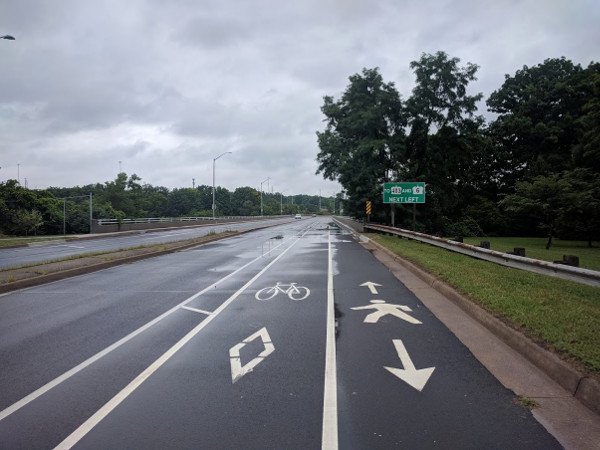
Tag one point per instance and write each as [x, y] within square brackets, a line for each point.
[371, 286]
[237, 370]
[416, 378]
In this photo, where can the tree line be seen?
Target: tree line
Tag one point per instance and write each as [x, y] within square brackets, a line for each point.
[533, 169]
[45, 212]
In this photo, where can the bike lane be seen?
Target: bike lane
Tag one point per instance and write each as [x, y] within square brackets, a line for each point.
[404, 380]
[252, 378]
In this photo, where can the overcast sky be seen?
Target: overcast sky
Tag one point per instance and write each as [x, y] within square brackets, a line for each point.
[160, 88]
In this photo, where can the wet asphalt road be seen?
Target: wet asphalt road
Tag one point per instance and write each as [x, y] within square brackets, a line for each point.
[195, 350]
[46, 251]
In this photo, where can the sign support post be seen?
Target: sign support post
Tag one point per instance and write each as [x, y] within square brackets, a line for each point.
[404, 193]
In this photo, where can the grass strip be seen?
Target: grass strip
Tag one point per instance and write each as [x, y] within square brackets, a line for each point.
[82, 256]
[562, 315]
[27, 271]
[10, 242]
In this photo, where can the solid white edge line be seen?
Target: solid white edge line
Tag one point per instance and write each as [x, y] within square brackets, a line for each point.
[89, 424]
[329, 438]
[65, 376]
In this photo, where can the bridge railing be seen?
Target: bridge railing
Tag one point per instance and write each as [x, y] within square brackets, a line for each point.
[102, 222]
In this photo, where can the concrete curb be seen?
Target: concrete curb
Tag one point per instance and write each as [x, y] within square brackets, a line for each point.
[583, 388]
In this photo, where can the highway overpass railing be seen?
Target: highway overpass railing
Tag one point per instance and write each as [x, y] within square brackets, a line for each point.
[584, 276]
[102, 222]
[148, 223]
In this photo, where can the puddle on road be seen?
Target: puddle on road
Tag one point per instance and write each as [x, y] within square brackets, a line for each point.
[331, 227]
[338, 317]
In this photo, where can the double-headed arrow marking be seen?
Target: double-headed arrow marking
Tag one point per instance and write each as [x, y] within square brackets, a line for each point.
[237, 370]
[416, 378]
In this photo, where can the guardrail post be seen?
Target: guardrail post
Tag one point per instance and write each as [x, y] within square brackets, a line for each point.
[569, 260]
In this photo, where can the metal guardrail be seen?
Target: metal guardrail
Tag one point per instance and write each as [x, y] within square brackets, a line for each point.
[178, 219]
[584, 276]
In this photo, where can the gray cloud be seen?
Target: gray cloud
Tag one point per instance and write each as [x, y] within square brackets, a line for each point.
[164, 87]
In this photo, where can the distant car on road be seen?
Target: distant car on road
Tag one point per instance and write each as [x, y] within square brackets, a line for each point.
[297, 216]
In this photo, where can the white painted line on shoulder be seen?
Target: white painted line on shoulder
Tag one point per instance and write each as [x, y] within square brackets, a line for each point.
[329, 437]
[97, 417]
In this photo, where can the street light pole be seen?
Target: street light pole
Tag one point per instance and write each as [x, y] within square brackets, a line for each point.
[213, 189]
[261, 200]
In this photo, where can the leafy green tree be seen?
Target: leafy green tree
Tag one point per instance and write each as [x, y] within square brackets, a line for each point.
[365, 128]
[440, 96]
[222, 201]
[181, 202]
[27, 221]
[538, 119]
[581, 218]
[154, 200]
[246, 201]
[587, 150]
[445, 143]
[14, 197]
[122, 193]
[545, 198]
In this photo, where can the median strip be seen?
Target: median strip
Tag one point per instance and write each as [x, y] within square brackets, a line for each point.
[35, 274]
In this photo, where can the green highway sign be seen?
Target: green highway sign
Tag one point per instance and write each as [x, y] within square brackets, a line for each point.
[403, 192]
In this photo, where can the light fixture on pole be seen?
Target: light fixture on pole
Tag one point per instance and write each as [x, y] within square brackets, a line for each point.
[281, 202]
[261, 191]
[213, 189]
[8, 37]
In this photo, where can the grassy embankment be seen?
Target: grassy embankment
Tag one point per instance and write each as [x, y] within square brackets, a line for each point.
[563, 315]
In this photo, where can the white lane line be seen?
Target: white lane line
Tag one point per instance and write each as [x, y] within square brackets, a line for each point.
[329, 437]
[65, 376]
[201, 311]
[97, 417]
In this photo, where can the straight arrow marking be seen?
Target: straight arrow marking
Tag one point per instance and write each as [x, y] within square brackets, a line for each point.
[415, 378]
[371, 286]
